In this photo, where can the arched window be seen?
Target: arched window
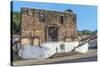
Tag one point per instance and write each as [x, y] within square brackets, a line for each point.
[25, 11]
[74, 17]
[61, 19]
[30, 12]
[42, 17]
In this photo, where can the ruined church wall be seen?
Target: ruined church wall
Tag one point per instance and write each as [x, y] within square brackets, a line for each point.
[32, 26]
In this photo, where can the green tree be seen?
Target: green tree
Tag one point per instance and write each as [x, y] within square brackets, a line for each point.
[15, 22]
[84, 32]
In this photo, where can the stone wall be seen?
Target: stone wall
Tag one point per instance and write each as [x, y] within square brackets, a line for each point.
[36, 22]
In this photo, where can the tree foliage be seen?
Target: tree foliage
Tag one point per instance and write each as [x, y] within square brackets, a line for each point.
[86, 32]
[15, 22]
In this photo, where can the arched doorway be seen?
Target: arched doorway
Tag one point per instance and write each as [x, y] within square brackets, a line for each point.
[52, 33]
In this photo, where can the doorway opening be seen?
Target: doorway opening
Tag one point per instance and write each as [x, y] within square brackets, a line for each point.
[52, 33]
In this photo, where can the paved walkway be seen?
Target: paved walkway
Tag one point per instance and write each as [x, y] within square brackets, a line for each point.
[91, 53]
[84, 59]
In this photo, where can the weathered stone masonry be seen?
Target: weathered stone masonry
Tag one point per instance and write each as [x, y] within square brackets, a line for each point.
[48, 25]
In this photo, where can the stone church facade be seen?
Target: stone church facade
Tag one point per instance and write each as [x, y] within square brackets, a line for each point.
[48, 25]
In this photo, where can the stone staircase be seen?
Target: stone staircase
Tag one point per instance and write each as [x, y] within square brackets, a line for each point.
[57, 55]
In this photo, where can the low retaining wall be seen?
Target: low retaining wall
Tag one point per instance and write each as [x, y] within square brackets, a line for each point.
[46, 50]
[82, 48]
[58, 47]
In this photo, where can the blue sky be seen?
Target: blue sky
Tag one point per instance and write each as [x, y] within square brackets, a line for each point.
[86, 15]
